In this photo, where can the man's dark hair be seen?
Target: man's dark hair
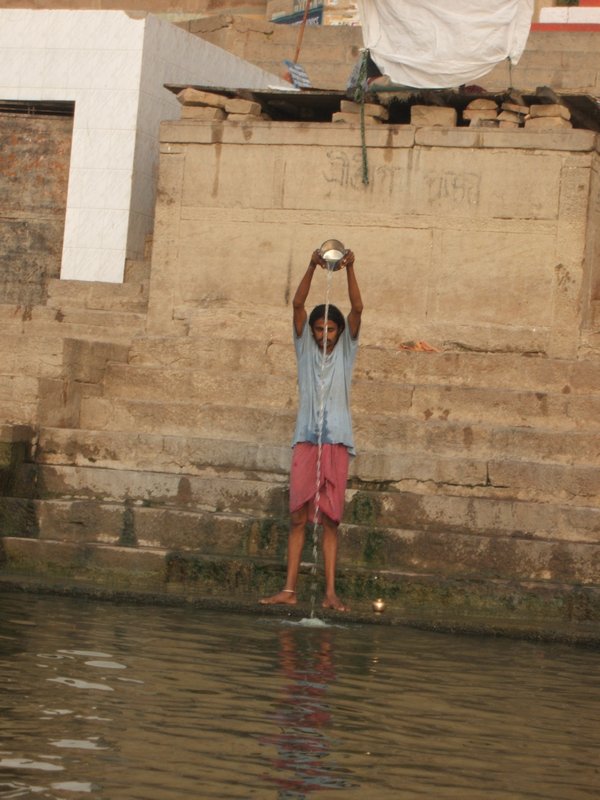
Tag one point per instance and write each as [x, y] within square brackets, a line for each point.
[333, 314]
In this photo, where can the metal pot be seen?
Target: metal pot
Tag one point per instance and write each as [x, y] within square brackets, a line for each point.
[332, 251]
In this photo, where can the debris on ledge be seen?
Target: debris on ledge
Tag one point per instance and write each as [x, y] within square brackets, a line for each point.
[450, 108]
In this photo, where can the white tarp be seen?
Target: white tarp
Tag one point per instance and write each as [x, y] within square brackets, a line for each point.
[443, 43]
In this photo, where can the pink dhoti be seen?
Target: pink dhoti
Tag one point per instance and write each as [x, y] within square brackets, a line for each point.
[332, 483]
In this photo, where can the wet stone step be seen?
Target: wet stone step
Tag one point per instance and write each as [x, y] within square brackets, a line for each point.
[451, 553]
[463, 554]
[481, 515]
[126, 572]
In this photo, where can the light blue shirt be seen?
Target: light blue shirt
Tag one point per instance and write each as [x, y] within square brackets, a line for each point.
[336, 376]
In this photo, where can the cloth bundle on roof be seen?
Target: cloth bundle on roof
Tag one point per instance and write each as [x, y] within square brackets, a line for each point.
[435, 44]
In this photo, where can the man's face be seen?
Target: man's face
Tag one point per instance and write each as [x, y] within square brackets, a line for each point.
[332, 332]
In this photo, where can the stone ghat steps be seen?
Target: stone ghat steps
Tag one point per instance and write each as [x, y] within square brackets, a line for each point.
[124, 382]
[263, 496]
[452, 368]
[455, 554]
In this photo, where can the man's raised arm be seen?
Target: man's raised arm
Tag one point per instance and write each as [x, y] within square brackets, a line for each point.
[302, 292]
[356, 303]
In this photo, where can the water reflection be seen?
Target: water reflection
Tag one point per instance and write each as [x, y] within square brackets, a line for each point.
[304, 762]
[133, 703]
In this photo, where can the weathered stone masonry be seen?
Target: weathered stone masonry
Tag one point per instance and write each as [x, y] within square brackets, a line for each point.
[160, 462]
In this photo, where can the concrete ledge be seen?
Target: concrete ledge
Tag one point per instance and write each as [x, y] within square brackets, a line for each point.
[553, 613]
[263, 132]
[572, 140]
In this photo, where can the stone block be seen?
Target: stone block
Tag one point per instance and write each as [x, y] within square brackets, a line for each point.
[480, 113]
[433, 115]
[196, 97]
[507, 124]
[509, 116]
[482, 103]
[238, 105]
[353, 119]
[515, 108]
[370, 109]
[550, 110]
[547, 123]
[479, 122]
[204, 113]
[59, 402]
[80, 521]
[247, 118]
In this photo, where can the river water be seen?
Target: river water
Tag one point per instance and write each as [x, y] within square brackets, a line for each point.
[121, 702]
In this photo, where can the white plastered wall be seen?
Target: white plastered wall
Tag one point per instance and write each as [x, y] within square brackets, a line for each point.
[114, 67]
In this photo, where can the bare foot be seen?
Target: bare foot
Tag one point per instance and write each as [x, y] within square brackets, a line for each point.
[334, 602]
[285, 597]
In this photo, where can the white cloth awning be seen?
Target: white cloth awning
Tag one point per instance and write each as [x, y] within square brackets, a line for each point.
[438, 44]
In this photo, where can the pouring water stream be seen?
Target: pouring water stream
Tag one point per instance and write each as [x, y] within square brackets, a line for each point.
[320, 423]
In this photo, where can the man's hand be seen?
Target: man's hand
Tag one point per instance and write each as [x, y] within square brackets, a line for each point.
[347, 260]
[317, 260]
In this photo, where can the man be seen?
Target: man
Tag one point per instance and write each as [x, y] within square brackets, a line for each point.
[323, 441]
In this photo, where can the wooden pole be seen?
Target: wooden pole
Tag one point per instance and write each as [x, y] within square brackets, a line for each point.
[301, 32]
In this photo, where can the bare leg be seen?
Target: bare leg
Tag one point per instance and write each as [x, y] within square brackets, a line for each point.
[287, 596]
[330, 548]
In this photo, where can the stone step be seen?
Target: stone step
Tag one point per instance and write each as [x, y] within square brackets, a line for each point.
[192, 454]
[227, 422]
[17, 387]
[451, 553]
[35, 356]
[462, 369]
[260, 494]
[150, 452]
[19, 411]
[470, 404]
[73, 323]
[97, 296]
[127, 382]
[498, 479]
[265, 494]
[372, 430]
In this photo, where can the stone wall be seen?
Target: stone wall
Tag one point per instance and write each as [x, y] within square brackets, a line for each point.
[469, 238]
[34, 170]
[565, 60]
